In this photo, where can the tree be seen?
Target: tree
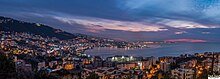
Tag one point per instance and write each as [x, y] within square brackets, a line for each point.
[93, 76]
[6, 65]
[42, 74]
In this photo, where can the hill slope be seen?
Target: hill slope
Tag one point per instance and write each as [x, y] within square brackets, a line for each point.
[8, 24]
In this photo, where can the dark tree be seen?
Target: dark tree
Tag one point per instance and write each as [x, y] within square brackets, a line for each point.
[93, 76]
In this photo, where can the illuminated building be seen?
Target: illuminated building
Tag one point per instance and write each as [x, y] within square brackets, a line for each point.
[69, 66]
[181, 73]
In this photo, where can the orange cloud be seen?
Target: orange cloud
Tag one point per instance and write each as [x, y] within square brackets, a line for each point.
[185, 40]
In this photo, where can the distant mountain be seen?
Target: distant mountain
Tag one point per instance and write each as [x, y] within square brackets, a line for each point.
[12, 25]
[8, 24]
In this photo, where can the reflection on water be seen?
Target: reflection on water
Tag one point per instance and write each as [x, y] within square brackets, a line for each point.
[174, 49]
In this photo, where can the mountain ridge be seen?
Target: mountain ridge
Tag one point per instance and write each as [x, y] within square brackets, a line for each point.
[12, 25]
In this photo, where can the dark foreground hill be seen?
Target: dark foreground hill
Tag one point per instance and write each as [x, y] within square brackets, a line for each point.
[9, 24]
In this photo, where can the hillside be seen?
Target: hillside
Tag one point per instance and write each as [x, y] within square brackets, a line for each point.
[8, 24]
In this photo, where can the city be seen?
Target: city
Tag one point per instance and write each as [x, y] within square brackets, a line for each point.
[52, 58]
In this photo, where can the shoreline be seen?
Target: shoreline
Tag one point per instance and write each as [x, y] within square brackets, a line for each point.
[175, 49]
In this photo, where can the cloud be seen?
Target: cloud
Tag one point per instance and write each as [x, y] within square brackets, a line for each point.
[180, 32]
[185, 24]
[206, 32]
[196, 12]
[98, 24]
[168, 5]
[186, 40]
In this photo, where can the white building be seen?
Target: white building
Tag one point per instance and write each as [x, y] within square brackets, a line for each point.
[181, 73]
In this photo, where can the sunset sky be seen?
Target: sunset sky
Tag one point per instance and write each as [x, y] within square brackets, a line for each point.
[132, 20]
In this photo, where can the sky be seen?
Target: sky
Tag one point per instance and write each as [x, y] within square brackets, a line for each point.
[130, 20]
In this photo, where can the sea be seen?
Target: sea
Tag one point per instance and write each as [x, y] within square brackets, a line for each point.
[157, 50]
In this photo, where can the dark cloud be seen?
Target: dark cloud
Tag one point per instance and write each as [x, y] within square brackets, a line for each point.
[201, 11]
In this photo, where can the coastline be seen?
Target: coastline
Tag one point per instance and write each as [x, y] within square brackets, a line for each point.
[174, 49]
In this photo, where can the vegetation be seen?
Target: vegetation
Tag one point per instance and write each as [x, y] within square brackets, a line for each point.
[7, 67]
[93, 76]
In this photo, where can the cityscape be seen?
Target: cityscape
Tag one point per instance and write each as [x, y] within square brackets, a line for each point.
[109, 39]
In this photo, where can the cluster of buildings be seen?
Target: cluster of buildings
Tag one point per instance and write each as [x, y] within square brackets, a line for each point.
[112, 73]
[65, 58]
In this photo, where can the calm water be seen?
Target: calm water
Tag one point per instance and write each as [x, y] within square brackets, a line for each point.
[174, 49]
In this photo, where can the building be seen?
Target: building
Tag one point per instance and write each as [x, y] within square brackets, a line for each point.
[24, 69]
[109, 64]
[126, 65]
[68, 66]
[20, 64]
[147, 62]
[97, 61]
[168, 59]
[52, 63]
[85, 61]
[107, 73]
[41, 65]
[118, 58]
[164, 66]
[181, 73]
[189, 64]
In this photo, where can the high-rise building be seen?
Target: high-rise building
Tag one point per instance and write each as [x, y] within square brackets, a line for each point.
[165, 66]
